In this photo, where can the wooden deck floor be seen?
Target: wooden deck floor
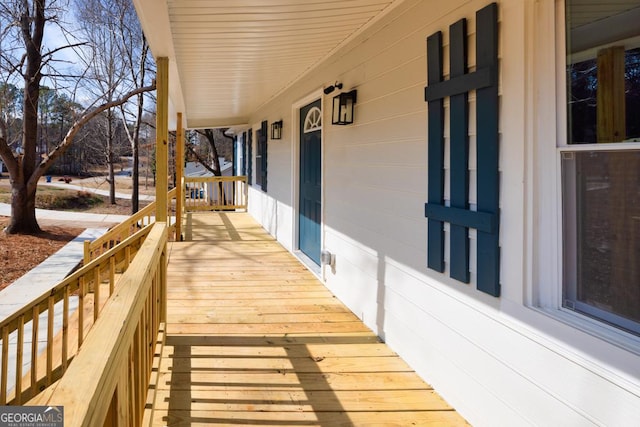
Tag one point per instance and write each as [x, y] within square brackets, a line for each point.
[253, 338]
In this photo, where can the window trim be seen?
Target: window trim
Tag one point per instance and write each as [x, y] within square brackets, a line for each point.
[549, 139]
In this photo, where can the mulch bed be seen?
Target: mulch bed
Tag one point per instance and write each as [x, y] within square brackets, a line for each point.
[20, 253]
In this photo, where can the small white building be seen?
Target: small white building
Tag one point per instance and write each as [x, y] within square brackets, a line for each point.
[481, 209]
[196, 169]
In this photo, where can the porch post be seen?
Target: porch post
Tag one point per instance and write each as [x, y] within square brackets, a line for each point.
[179, 175]
[162, 138]
[610, 113]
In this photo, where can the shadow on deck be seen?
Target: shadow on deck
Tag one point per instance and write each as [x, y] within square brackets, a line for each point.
[253, 338]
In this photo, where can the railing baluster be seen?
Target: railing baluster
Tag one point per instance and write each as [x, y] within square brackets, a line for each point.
[19, 358]
[112, 274]
[127, 257]
[35, 326]
[145, 350]
[87, 252]
[5, 365]
[137, 367]
[155, 305]
[163, 286]
[96, 293]
[132, 384]
[150, 328]
[81, 293]
[65, 329]
[50, 314]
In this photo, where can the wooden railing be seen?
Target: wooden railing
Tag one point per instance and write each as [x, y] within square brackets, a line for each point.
[215, 193]
[142, 218]
[108, 380]
[88, 286]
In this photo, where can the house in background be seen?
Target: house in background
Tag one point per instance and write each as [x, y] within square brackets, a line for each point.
[479, 213]
[195, 169]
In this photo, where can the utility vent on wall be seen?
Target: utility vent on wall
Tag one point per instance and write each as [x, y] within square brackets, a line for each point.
[486, 218]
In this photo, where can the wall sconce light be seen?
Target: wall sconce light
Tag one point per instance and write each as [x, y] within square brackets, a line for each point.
[276, 130]
[343, 105]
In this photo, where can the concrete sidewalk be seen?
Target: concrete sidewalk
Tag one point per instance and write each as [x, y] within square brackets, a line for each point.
[69, 217]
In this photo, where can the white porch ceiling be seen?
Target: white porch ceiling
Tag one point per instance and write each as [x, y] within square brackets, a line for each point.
[589, 11]
[229, 57]
[595, 23]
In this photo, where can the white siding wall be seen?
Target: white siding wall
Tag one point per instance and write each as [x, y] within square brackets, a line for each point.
[496, 360]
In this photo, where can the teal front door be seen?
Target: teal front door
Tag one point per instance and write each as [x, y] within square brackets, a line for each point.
[310, 204]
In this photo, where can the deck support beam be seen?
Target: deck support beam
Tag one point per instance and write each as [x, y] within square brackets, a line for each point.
[162, 138]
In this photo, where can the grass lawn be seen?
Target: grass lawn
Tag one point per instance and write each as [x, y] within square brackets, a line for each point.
[58, 198]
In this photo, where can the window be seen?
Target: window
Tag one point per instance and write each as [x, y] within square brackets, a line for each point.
[601, 164]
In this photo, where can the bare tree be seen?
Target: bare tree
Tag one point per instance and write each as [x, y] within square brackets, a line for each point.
[118, 60]
[22, 58]
[207, 155]
[135, 50]
[98, 24]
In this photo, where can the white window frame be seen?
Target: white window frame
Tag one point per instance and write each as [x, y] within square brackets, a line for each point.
[547, 134]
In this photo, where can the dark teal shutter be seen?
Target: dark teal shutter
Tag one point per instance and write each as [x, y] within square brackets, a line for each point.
[460, 218]
[263, 150]
[435, 173]
[245, 155]
[250, 156]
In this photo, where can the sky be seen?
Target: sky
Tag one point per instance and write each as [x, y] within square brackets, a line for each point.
[67, 60]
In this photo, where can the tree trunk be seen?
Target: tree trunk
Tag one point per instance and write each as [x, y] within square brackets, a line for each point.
[23, 195]
[112, 177]
[214, 152]
[23, 210]
[135, 178]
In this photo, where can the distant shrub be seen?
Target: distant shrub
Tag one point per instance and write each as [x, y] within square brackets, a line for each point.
[66, 200]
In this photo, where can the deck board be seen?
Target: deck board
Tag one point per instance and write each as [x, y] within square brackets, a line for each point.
[253, 338]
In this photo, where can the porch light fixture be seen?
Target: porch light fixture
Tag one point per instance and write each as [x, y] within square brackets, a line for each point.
[343, 105]
[276, 130]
